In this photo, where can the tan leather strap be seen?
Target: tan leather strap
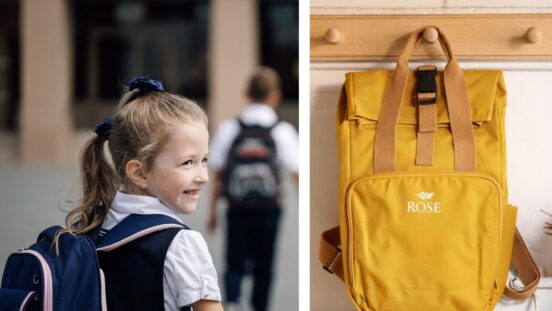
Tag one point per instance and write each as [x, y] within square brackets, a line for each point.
[522, 263]
[460, 118]
[329, 252]
[427, 120]
[524, 267]
[425, 139]
[457, 102]
[424, 148]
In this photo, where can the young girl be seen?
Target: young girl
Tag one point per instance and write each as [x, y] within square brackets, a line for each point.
[159, 145]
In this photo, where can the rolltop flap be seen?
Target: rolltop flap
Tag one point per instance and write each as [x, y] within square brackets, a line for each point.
[365, 92]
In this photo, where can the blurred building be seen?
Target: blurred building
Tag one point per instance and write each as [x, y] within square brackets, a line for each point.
[62, 62]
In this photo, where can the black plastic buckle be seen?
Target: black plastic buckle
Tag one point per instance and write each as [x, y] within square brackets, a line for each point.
[427, 86]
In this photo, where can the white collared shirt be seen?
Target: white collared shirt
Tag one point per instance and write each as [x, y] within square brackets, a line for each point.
[189, 274]
[284, 135]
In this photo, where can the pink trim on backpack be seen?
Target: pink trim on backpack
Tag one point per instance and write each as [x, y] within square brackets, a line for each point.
[102, 290]
[136, 236]
[24, 303]
[48, 303]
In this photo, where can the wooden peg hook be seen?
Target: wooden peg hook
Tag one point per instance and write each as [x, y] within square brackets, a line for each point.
[533, 35]
[431, 35]
[333, 35]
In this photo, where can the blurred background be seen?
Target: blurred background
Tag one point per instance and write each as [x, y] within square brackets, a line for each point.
[62, 64]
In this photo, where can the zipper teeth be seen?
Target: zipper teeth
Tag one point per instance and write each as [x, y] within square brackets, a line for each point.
[46, 272]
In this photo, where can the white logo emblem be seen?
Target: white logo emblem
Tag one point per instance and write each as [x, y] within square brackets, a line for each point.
[425, 195]
[424, 206]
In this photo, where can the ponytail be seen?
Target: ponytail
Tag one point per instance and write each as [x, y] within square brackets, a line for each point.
[99, 185]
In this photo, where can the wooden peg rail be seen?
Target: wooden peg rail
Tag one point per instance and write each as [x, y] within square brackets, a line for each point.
[473, 37]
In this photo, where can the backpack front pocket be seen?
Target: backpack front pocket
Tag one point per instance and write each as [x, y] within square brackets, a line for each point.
[16, 299]
[28, 270]
[424, 242]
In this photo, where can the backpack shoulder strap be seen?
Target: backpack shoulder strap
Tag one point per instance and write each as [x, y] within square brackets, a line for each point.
[134, 227]
[241, 123]
[269, 128]
[274, 124]
[525, 269]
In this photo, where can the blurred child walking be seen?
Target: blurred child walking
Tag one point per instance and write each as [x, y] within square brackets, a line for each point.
[250, 150]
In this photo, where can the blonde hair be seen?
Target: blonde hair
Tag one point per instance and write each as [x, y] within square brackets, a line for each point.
[140, 129]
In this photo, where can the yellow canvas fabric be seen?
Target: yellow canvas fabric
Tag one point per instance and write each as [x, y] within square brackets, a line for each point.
[423, 237]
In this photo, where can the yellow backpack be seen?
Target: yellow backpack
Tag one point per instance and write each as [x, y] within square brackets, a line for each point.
[425, 222]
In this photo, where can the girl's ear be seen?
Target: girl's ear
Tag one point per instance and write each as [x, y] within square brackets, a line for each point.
[136, 173]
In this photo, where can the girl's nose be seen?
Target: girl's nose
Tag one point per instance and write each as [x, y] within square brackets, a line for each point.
[202, 175]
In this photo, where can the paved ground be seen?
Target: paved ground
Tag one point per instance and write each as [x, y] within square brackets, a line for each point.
[34, 197]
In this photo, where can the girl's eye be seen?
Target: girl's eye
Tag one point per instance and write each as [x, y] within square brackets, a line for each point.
[205, 161]
[187, 163]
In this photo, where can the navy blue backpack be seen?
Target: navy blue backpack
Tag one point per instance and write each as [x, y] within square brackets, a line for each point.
[36, 278]
[251, 174]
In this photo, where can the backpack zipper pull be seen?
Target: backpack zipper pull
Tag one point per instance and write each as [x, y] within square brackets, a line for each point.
[494, 293]
[495, 290]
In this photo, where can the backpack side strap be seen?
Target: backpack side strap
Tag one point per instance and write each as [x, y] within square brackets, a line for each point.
[134, 227]
[329, 252]
[524, 268]
[523, 264]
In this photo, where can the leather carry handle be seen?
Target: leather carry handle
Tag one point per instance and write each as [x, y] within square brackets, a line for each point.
[457, 104]
[522, 263]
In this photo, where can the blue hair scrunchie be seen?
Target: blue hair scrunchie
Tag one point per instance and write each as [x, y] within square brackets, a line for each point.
[103, 129]
[145, 84]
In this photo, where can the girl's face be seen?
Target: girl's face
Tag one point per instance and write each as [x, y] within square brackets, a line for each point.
[179, 172]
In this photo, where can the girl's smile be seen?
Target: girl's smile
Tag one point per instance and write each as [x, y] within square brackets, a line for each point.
[193, 193]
